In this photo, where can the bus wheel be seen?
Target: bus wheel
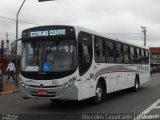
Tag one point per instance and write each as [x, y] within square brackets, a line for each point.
[99, 94]
[136, 85]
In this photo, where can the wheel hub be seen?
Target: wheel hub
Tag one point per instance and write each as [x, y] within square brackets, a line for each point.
[99, 93]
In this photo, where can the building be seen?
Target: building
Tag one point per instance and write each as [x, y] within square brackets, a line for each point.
[155, 54]
[5, 57]
[155, 58]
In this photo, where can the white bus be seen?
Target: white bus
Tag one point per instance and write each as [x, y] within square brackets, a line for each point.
[73, 63]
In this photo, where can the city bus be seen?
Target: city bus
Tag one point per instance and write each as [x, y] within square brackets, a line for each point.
[62, 62]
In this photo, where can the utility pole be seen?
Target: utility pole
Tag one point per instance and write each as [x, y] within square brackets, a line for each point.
[144, 32]
[17, 18]
[7, 41]
[17, 24]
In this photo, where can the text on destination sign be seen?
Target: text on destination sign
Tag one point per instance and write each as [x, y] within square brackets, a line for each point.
[48, 33]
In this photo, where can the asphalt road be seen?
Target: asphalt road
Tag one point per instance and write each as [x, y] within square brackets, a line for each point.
[122, 102]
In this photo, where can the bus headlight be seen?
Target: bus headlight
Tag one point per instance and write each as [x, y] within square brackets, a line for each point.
[67, 84]
[23, 84]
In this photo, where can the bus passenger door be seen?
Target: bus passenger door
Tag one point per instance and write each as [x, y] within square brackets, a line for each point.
[85, 56]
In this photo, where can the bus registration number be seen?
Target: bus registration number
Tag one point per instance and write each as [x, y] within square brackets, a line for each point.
[42, 92]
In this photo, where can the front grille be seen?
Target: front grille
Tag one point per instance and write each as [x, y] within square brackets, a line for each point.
[44, 96]
[43, 86]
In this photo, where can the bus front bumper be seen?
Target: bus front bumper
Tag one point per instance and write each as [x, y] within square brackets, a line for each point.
[70, 93]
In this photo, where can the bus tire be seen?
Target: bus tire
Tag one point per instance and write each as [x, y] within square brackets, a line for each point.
[136, 84]
[99, 94]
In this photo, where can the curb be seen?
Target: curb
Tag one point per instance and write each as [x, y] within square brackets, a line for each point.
[9, 86]
[8, 92]
[5, 92]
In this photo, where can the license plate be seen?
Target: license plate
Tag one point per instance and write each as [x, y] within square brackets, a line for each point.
[42, 92]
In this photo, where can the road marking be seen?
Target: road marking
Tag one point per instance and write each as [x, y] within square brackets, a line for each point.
[157, 107]
[153, 106]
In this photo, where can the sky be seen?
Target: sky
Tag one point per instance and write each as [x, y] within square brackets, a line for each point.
[120, 19]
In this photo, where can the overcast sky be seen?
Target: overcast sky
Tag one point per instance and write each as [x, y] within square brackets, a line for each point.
[116, 18]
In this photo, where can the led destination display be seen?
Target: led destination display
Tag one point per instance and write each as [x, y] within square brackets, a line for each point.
[49, 31]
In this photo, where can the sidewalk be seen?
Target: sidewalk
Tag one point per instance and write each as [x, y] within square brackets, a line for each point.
[9, 87]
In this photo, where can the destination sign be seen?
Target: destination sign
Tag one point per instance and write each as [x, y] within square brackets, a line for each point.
[47, 33]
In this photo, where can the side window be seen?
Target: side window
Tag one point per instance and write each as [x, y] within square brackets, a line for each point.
[126, 58]
[132, 55]
[140, 56]
[109, 51]
[84, 52]
[136, 55]
[118, 52]
[99, 50]
[143, 56]
[146, 56]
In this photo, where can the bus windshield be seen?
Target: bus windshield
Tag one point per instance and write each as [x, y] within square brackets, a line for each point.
[49, 56]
